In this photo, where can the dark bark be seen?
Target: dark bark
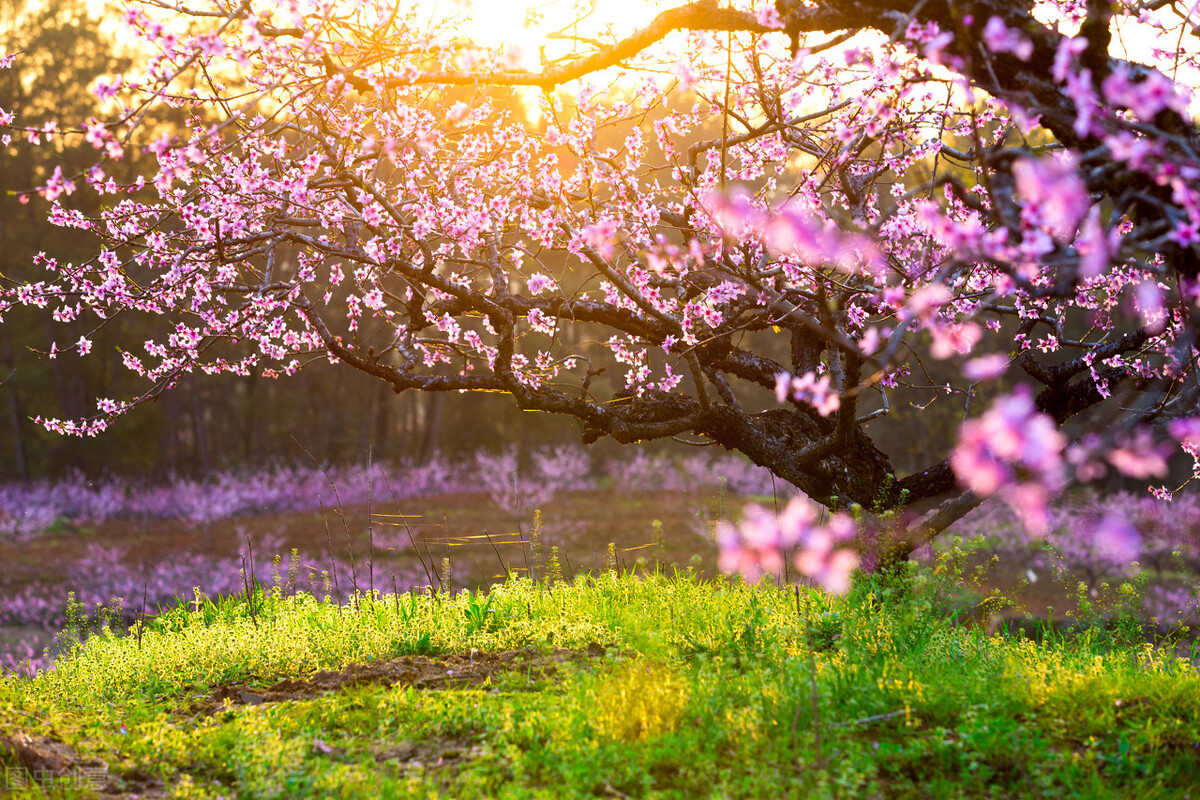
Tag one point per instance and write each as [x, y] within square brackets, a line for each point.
[18, 434]
[431, 428]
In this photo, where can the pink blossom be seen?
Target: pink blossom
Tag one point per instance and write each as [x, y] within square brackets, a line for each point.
[1146, 98]
[457, 113]
[601, 235]
[1116, 539]
[685, 73]
[985, 368]
[97, 133]
[1150, 305]
[1096, 246]
[763, 541]
[108, 88]
[999, 38]
[57, 186]
[1186, 233]
[1068, 51]
[950, 340]
[808, 388]
[1053, 187]
[1012, 449]
[766, 14]
[539, 283]
[1186, 431]
[796, 231]
[869, 342]
[928, 299]
[1139, 457]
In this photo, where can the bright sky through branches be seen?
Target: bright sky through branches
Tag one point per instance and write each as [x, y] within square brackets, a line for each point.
[532, 28]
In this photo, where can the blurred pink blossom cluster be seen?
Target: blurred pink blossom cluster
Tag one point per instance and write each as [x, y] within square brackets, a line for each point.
[764, 541]
[648, 471]
[1056, 197]
[1133, 453]
[808, 388]
[1015, 451]
[562, 468]
[1002, 39]
[738, 474]
[1187, 433]
[798, 232]
[27, 509]
[1096, 537]
[1097, 534]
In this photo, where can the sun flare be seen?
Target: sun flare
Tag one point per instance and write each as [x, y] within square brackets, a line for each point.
[533, 31]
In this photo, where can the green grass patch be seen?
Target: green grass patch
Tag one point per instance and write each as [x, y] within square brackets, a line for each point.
[612, 686]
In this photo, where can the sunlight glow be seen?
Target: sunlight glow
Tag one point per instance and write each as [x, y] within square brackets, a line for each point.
[537, 30]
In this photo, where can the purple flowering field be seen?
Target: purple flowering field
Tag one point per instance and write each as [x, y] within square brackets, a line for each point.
[118, 539]
[113, 542]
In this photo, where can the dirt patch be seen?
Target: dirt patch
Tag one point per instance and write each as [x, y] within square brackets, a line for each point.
[31, 760]
[42, 761]
[431, 754]
[454, 671]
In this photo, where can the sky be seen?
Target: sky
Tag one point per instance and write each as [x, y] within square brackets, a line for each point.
[530, 24]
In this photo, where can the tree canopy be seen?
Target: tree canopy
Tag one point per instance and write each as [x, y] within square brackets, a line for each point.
[760, 225]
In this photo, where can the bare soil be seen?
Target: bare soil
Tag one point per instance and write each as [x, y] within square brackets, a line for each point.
[455, 671]
[47, 762]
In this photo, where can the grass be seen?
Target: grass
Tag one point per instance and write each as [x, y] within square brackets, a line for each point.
[619, 686]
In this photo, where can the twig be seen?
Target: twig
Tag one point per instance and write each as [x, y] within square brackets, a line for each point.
[408, 530]
[436, 573]
[142, 614]
[496, 550]
[525, 555]
[421, 558]
[337, 586]
[521, 533]
[249, 596]
[449, 576]
[345, 525]
[370, 526]
[812, 673]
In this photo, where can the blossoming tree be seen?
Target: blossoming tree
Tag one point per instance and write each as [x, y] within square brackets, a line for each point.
[767, 218]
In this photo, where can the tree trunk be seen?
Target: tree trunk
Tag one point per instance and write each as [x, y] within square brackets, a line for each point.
[384, 397]
[18, 433]
[432, 428]
[201, 429]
